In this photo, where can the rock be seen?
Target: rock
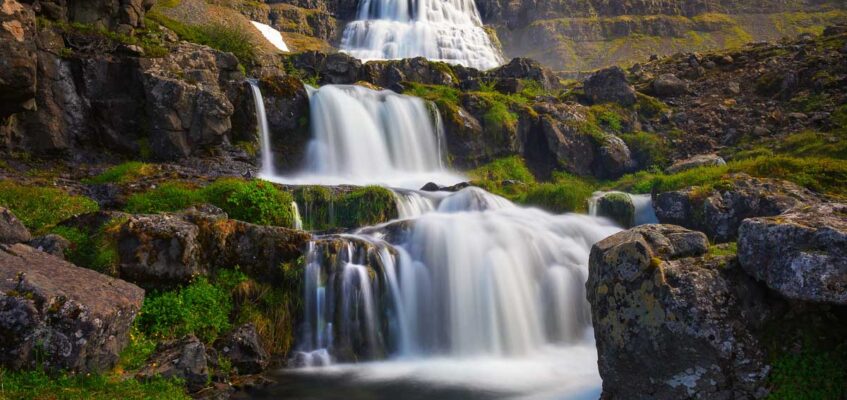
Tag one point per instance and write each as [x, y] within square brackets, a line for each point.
[431, 187]
[668, 85]
[613, 158]
[17, 58]
[801, 254]
[287, 109]
[244, 349]
[185, 359]
[670, 323]
[524, 68]
[51, 244]
[12, 230]
[720, 211]
[159, 250]
[609, 85]
[702, 160]
[56, 315]
[457, 187]
[618, 207]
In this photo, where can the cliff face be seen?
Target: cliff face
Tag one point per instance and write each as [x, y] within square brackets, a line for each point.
[584, 35]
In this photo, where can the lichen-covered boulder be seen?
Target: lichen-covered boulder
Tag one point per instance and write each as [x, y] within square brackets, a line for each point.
[12, 230]
[801, 254]
[668, 85]
[671, 322]
[51, 244]
[618, 207]
[702, 160]
[17, 57]
[184, 359]
[244, 349]
[718, 210]
[159, 250]
[609, 85]
[56, 315]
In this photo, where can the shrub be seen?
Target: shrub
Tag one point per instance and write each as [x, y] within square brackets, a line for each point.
[258, 202]
[122, 173]
[38, 384]
[199, 308]
[40, 208]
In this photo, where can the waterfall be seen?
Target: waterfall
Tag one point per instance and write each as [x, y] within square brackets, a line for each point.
[643, 203]
[295, 211]
[363, 136]
[264, 131]
[272, 35]
[442, 30]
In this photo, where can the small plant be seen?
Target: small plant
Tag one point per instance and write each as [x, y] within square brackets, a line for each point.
[199, 308]
[261, 203]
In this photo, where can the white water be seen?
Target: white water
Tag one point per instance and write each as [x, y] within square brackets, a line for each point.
[442, 30]
[644, 212]
[298, 220]
[272, 35]
[264, 131]
[362, 136]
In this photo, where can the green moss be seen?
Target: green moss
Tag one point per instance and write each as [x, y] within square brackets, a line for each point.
[507, 168]
[365, 206]
[199, 308]
[721, 250]
[137, 352]
[566, 194]
[123, 173]
[97, 250]
[40, 208]
[648, 149]
[171, 196]
[66, 386]
[650, 106]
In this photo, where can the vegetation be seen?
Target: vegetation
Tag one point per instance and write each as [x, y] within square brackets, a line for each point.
[216, 36]
[200, 308]
[40, 208]
[123, 173]
[323, 209]
[254, 201]
[95, 250]
[148, 39]
[65, 386]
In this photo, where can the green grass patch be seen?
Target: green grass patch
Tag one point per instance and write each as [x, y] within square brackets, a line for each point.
[123, 173]
[648, 149]
[566, 194]
[507, 168]
[168, 197]
[40, 208]
[137, 352]
[64, 386]
[725, 249]
[216, 36]
[200, 308]
[94, 250]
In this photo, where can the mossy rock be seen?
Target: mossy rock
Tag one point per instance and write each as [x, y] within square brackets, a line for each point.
[618, 207]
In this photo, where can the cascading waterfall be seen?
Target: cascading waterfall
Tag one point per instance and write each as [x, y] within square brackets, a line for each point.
[643, 203]
[364, 136]
[443, 30]
[264, 131]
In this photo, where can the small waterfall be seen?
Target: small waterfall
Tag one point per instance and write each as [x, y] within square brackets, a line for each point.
[643, 203]
[443, 30]
[264, 131]
[272, 35]
[491, 279]
[295, 210]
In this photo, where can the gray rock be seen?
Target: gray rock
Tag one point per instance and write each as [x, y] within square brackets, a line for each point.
[159, 250]
[702, 160]
[668, 85]
[670, 323]
[17, 58]
[12, 230]
[244, 349]
[609, 85]
[51, 244]
[185, 359]
[801, 254]
[59, 316]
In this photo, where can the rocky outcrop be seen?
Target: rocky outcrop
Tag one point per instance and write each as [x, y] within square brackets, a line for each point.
[61, 316]
[12, 230]
[287, 109]
[618, 207]
[702, 160]
[801, 254]
[184, 359]
[17, 58]
[719, 211]
[668, 85]
[120, 15]
[244, 350]
[609, 85]
[51, 244]
[670, 322]
[166, 250]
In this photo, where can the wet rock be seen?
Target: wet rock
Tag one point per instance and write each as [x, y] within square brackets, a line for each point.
[51, 244]
[159, 250]
[431, 187]
[702, 160]
[56, 315]
[287, 109]
[618, 207]
[244, 349]
[720, 211]
[17, 58]
[609, 85]
[801, 254]
[668, 85]
[184, 359]
[12, 230]
[671, 323]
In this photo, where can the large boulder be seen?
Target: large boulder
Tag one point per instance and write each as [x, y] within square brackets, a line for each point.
[801, 254]
[719, 210]
[609, 85]
[701, 160]
[56, 315]
[184, 359]
[287, 107]
[12, 230]
[244, 350]
[670, 322]
[526, 69]
[668, 85]
[17, 58]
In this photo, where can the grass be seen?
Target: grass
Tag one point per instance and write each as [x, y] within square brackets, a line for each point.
[216, 36]
[200, 308]
[123, 173]
[65, 386]
[171, 196]
[94, 250]
[648, 149]
[40, 208]
[148, 39]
